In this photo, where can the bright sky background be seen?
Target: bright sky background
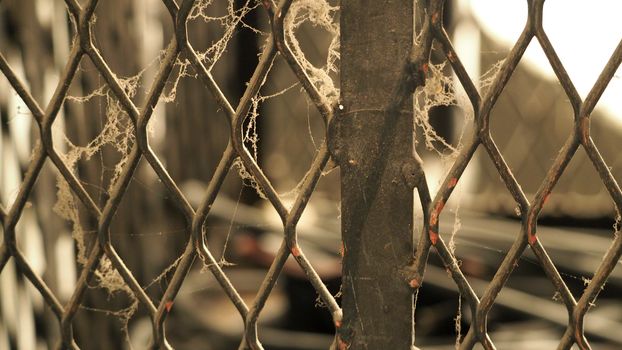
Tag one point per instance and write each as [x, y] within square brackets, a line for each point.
[583, 33]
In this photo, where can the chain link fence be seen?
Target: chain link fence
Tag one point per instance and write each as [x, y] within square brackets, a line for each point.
[369, 136]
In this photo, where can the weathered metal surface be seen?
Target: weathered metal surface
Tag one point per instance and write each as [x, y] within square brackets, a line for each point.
[373, 143]
[370, 138]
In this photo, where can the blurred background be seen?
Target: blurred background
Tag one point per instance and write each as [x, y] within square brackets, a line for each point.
[189, 132]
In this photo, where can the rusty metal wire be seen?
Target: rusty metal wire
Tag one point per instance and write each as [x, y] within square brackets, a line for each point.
[83, 47]
[432, 30]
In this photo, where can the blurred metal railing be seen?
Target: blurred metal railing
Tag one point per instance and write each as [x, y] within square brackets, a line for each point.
[412, 77]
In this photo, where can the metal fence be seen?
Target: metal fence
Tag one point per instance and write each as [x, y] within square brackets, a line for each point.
[373, 148]
[529, 210]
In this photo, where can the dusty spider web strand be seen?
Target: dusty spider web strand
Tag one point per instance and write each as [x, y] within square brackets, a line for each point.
[223, 260]
[442, 89]
[438, 91]
[319, 13]
[247, 178]
[124, 315]
[163, 274]
[458, 323]
[118, 129]
[251, 134]
[457, 225]
[230, 23]
[118, 132]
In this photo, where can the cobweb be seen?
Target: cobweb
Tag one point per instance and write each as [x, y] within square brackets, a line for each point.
[319, 14]
[442, 89]
[117, 132]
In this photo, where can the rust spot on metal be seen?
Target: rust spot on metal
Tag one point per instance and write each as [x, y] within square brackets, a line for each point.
[440, 206]
[425, 68]
[532, 238]
[342, 345]
[338, 324]
[414, 283]
[435, 17]
[295, 251]
[452, 183]
[342, 250]
[433, 218]
[168, 305]
[546, 198]
[436, 212]
[531, 234]
[433, 236]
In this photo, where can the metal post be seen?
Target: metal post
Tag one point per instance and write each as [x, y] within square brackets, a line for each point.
[371, 139]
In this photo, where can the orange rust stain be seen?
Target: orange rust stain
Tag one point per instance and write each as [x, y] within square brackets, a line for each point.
[433, 237]
[546, 198]
[452, 183]
[435, 213]
[168, 305]
[338, 324]
[440, 206]
[414, 283]
[425, 68]
[295, 251]
[435, 17]
[433, 218]
[577, 333]
[342, 250]
[532, 238]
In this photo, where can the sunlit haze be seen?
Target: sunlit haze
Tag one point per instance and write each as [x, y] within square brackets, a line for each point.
[584, 35]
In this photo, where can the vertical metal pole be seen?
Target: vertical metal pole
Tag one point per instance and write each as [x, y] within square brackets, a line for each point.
[372, 143]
